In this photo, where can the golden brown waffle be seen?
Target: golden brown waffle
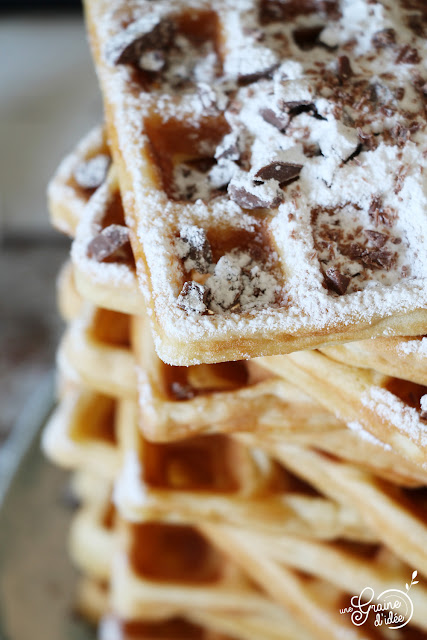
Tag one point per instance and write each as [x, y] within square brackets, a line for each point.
[404, 358]
[234, 396]
[76, 179]
[97, 345]
[91, 600]
[375, 405]
[297, 291]
[104, 266]
[215, 478]
[326, 577]
[81, 433]
[68, 299]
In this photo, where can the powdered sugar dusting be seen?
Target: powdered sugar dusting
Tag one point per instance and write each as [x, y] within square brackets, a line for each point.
[392, 410]
[352, 117]
[416, 347]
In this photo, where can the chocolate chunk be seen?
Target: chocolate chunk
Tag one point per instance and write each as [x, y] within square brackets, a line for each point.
[376, 238]
[381, 214]
[307, 37]
[295, 107]
[182, 391]
[195, 249]
[150, 32]
[108, 242]
[407, 55]
[249, 200]
[344, 70]
[280, 121]
[378, 259]
[193, 297]
[384, 38]
[92, 173]
[248, 78]
[280, 171]
[336, 281]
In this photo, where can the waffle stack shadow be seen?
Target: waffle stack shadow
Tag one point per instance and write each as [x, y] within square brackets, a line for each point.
[233, 499]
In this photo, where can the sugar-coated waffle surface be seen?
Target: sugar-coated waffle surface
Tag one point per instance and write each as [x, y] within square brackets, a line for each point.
[270, 157]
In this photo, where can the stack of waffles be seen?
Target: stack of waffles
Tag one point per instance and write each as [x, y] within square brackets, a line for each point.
[242, 380]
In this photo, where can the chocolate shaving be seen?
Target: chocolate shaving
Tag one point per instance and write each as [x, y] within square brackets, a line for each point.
[193, 297]
[344, 70]
[368, 140]
[378, 259]
[280, 121]
[384, 38]
[196, 248]
[336, 281]
[407, 55]
[248, 200]
[148, 33]
[376, 238]
[280, 171]
[248, 78]
[110, 241]
[381, 214]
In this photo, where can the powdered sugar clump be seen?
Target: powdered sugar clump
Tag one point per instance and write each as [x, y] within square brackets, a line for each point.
[416, 347]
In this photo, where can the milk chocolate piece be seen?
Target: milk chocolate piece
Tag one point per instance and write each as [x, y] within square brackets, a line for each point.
[280, 121]
[407, 55]
[336, 281]
[197, 248]
[150, 32]
[384, 38]
[108, 242]
[248, 200]
[307, 37]
[376, 238]
[344, 70]
[193, 297]
[280, 171]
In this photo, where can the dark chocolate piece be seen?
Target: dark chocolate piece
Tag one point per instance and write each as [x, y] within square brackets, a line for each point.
[384, 38]
[108, 242]
[248, 200]
[280, 121]
[193, 297]
[280, 171]
[336, 281]
[378, 259]
[249, 78]
[344, 70]
[149, 32]
[198, 248]
[407, 55]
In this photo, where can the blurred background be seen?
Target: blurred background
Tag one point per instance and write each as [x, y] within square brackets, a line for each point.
[48, 99]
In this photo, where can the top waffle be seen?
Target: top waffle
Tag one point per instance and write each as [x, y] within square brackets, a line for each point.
[271, 159]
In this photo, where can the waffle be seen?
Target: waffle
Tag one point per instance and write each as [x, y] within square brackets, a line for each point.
[97, 346]
[81, 433]
[103, 274]
[215, 478]
[403, 358]
[250, 271]
[91, 599]
[78, 176]
[177, 401]
[68, 299]
[311, 598]
[395, 515]
[375, 405]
